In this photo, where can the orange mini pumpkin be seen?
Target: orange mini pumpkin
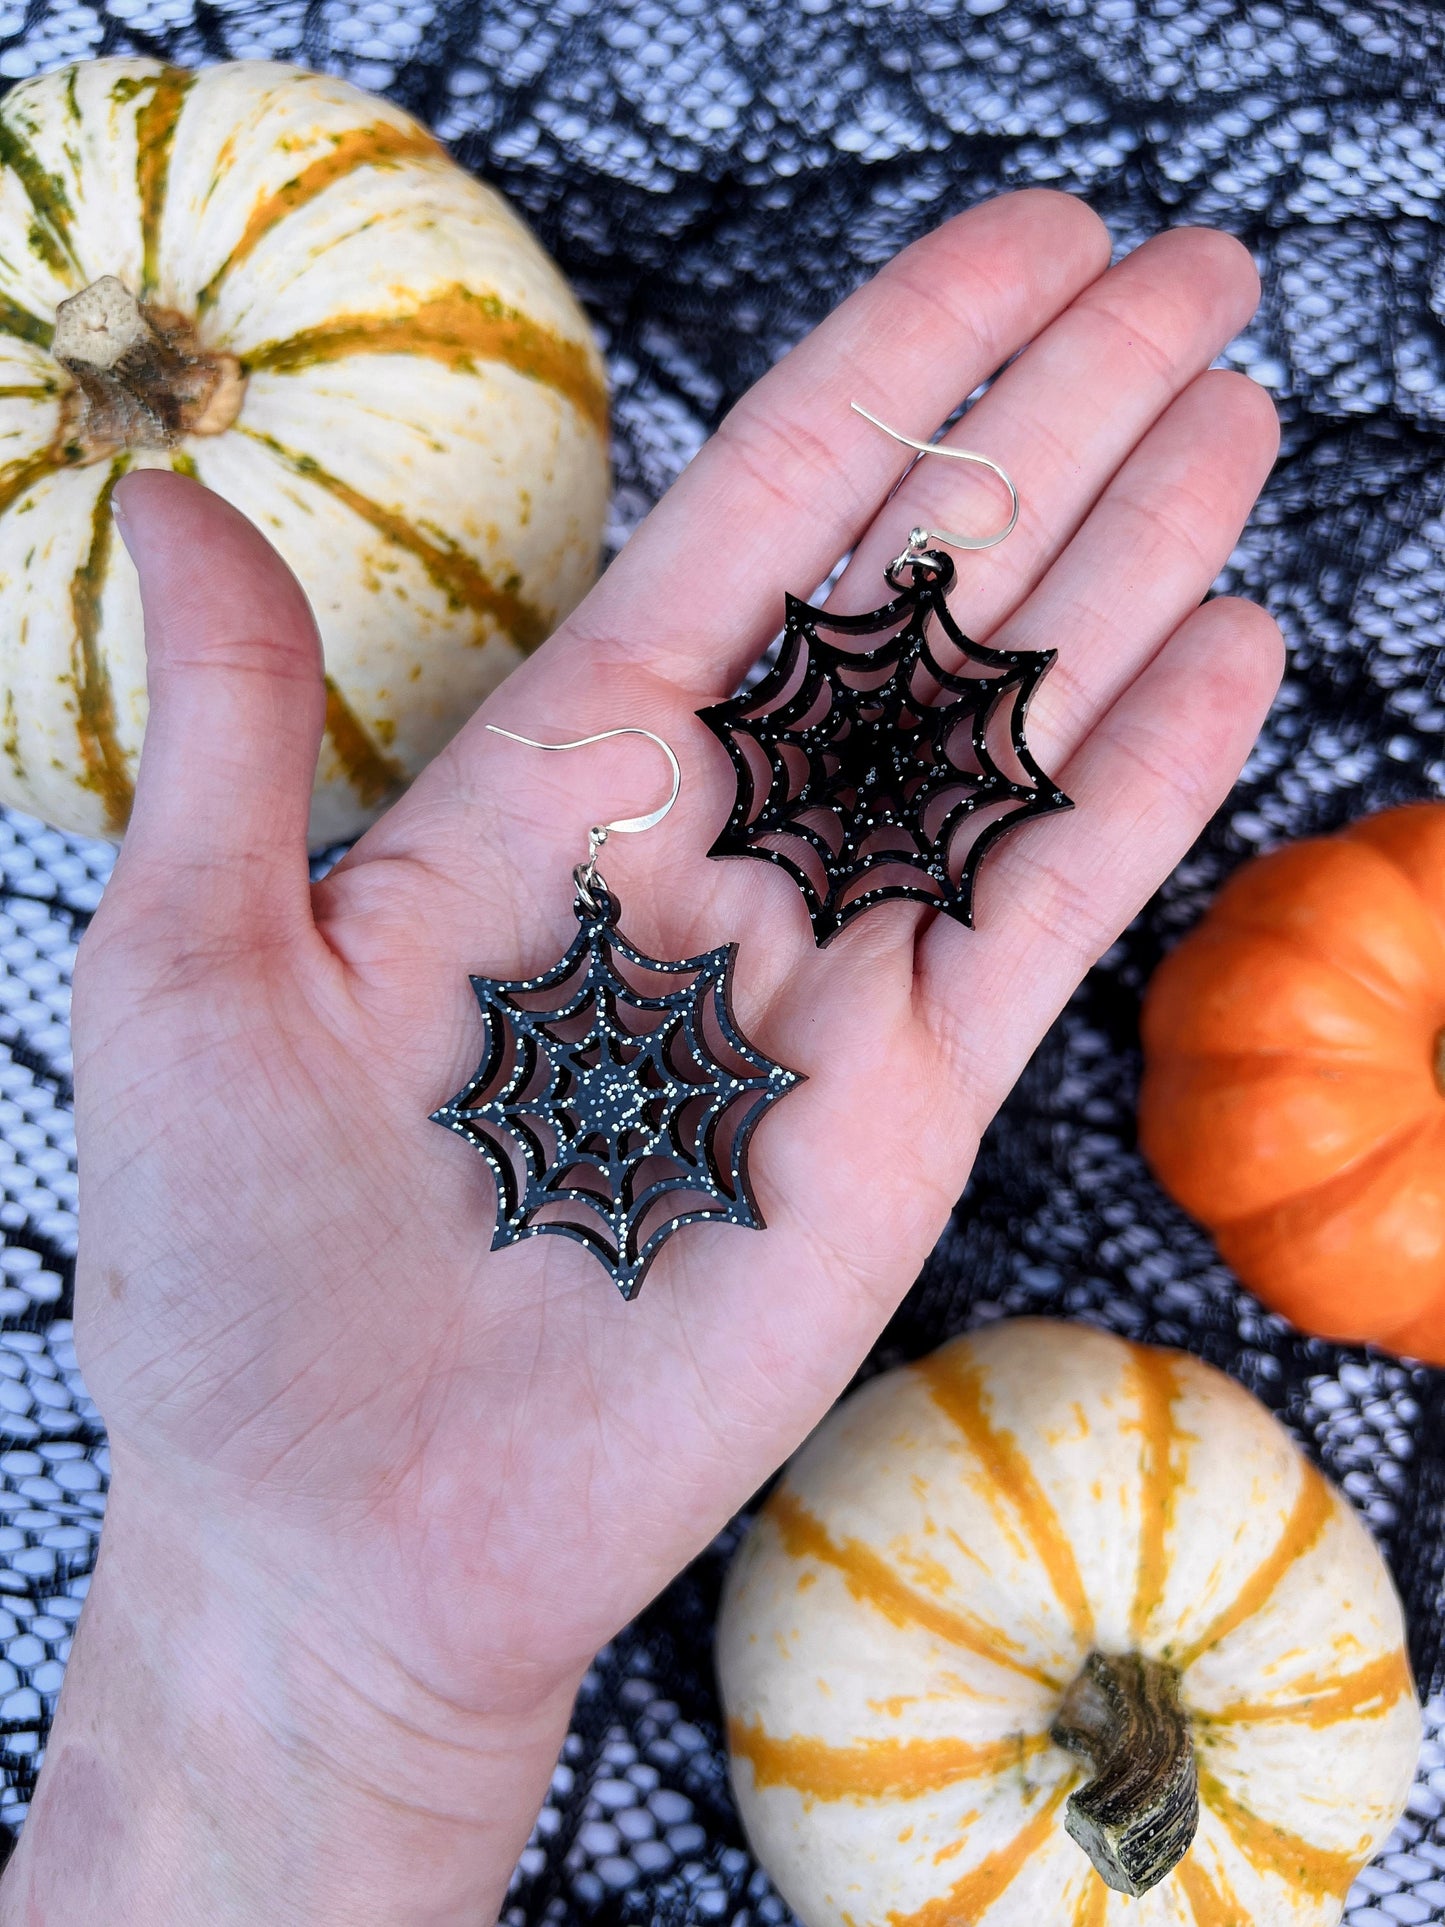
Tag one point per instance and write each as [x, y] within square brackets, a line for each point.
[1294, 1086]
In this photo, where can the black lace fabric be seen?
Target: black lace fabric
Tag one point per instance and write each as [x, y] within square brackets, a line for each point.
[714, 175]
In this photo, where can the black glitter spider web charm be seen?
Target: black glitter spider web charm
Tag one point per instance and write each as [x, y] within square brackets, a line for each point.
[616, 1097]
[859, 768]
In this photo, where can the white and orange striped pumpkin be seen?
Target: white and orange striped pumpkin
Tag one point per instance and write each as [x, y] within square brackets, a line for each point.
[395, 384]
[931, 1578]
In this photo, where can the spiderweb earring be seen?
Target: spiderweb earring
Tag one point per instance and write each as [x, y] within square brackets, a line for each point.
[616, 1096]
[863, 760]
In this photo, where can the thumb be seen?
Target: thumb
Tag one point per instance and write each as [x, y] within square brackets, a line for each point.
[237, 706]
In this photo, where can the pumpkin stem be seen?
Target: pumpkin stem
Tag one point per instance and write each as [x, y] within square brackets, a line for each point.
[1136, 1818]
[142, 380]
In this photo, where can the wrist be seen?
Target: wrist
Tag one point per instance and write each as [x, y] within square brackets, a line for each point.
[235, 1742]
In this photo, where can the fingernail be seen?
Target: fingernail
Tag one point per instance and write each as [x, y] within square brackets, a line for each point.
[117, 515]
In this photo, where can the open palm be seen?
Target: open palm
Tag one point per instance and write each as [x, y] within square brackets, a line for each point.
[289, 1312]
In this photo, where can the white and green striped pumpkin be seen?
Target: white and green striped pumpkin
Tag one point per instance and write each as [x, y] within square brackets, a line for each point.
[408, 402]
[1052, 1630]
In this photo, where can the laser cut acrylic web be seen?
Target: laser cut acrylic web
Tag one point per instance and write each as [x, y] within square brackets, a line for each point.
[879, 759]
[616, 1105]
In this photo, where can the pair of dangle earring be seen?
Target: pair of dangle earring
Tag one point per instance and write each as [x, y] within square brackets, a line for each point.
[617, 1094]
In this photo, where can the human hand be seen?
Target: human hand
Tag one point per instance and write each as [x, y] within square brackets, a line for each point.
[400, 1488]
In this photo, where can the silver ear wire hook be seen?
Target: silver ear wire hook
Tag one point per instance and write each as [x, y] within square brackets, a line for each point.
[919, 539]
[586, 876]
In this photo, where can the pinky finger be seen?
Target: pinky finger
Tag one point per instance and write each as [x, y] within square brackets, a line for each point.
[1145, 782]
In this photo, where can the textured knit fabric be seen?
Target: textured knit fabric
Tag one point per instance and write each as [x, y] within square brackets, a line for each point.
[714, 175]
